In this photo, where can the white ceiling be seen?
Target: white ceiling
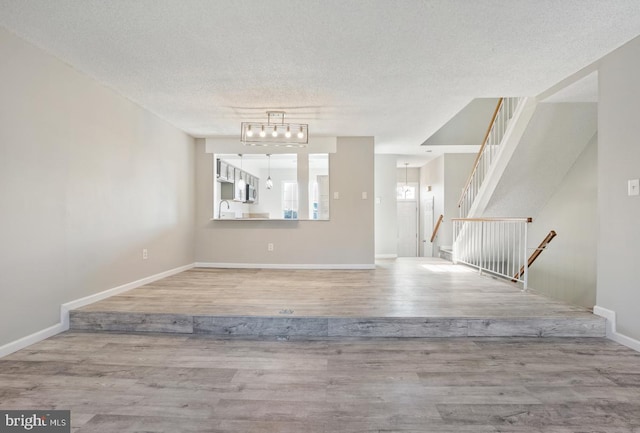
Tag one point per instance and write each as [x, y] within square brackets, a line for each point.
[397, 70]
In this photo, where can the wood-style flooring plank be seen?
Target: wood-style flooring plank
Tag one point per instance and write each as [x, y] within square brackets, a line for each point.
[422, 297]
[176, 383]
[424, 287]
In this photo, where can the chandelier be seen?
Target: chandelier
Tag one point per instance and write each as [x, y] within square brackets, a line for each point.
[274, 132]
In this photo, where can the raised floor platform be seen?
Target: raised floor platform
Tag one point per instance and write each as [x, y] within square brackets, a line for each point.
[424, 297]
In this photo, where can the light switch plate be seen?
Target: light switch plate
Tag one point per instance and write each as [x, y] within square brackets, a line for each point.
[364, 195]
[336, 195]
[634, 187]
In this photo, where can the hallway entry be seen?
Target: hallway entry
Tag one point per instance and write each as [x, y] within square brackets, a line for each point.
[407, 228]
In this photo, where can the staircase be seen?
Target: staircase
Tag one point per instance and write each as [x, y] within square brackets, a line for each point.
[494, 245]
[528, 149]
[507, 126]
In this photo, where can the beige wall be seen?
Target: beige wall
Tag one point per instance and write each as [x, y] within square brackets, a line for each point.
[87, 179]
[410, 174]
[618, 287]
[386, 210]
[432, 175]
[347, 239]
[566, 270]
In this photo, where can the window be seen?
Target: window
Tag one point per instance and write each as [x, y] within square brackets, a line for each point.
[290, 199]
[293, 191]
[406, 192]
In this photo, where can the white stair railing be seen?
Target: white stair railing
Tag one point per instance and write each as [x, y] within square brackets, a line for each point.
[488, 152]
[497, 246]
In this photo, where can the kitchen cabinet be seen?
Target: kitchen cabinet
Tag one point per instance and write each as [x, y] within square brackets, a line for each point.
[222, 171]
[229, 178]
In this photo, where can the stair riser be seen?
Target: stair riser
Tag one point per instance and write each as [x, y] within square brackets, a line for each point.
[409, 327]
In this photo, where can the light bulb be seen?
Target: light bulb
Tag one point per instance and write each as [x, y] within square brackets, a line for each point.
[262, 133]
[288, 133]
[300, 133]
[249, 131]
[275, 131]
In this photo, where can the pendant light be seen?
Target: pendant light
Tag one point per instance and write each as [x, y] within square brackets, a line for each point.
[241, 182]
[405, 190]
[269, 182]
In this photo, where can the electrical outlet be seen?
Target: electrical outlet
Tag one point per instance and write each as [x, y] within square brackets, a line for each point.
[145, 254]
[269, 246]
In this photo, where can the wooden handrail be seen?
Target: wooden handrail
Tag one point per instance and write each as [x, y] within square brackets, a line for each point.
[484, 143]
[435, 229]
[490, 219]
[536, 253]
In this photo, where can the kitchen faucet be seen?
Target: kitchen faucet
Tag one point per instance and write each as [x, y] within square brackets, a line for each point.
[220, 207]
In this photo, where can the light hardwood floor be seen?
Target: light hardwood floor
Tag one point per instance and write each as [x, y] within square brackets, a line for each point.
[400, 298]
[423, 287]
[134, 382]
[129, 383]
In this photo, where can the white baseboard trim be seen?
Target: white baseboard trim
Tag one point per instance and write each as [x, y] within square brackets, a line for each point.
[23, 342]
[43, 334]
[66, 307]
[356, 266]
[612, 333]
[386, 256]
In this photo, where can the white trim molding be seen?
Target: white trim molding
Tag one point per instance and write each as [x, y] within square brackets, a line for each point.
[78, 303]
[23, 342]
[356, 266]
[612, 333]
[386, 256]
[63, 325]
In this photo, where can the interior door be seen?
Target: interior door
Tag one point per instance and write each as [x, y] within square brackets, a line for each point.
[428, 227]
[407, 228]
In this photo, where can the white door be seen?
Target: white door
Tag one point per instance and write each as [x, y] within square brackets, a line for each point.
[407, 228]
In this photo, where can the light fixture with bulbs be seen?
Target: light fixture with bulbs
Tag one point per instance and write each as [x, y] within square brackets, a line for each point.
[271, 132]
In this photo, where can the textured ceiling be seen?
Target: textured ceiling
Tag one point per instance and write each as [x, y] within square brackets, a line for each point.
[397, 70]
